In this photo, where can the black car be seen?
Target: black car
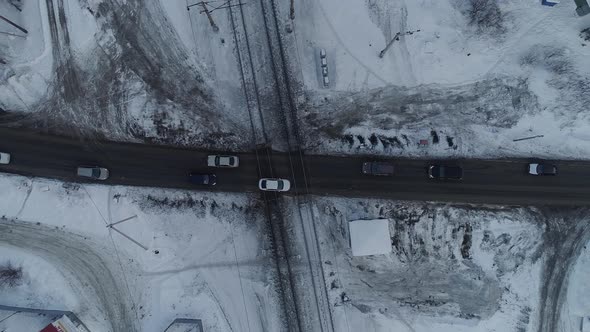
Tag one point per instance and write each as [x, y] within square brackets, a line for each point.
[541, 169]
[378, 168]
[444, 172]
[202, 179]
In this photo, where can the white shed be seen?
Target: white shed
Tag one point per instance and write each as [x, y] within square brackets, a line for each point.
[369, 237]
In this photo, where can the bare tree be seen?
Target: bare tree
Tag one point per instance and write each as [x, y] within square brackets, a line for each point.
[10, 275]
[486, 16]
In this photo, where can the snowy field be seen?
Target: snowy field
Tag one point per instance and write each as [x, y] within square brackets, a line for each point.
[467, 79]
[577, 303]
[208, 256]
[197, 255]
[456, 268]
[471, 78]
[133, 71]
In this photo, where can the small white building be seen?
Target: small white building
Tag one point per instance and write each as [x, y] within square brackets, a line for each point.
[369, 237]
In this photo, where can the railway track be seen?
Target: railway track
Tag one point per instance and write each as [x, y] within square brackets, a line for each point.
[298, 170]
[274, 218]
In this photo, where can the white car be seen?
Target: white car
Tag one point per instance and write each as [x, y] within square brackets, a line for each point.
[268, 184]
[4, 158]
[223, 161]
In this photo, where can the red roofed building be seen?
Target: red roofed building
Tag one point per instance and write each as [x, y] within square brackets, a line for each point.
[63, 324]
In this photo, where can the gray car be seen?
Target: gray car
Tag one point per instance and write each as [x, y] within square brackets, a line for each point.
[93, 172]
[223, 161]
[379, 168]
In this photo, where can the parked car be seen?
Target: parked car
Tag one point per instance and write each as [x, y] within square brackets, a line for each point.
[93, 172]
[542, 169]
[203, 179]
[322, 53]
[4, 158]
[268, 184]
[326, 81]
[445, 172]
[223, 161]
[378, 168]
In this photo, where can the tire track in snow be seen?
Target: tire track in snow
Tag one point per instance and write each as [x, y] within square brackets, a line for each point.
[567, 233]
[80, 262]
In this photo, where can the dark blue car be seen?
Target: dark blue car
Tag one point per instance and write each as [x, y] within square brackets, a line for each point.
[202, 179]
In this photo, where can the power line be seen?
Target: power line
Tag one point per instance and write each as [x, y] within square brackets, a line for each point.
[13, 24]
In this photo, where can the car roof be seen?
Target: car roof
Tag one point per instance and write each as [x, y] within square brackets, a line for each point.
[272, 183]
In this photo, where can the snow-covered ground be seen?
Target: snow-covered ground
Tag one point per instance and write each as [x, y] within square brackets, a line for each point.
[134, 70]
[208, 256]
[477, 79]
[468, 81]
[452, 268]
[197, 255]
[576, 310]
[28, 60]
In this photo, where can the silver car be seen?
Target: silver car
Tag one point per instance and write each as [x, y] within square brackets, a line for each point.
[268, 184]
[223, 161]
[93, 172]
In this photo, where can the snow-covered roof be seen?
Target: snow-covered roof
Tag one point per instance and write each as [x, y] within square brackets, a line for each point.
[369, 237]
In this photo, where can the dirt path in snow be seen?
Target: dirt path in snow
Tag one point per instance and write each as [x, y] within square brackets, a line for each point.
[80, 263]
[567, 233]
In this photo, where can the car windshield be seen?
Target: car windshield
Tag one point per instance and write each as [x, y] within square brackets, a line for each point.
[280, 185]
[95, 172]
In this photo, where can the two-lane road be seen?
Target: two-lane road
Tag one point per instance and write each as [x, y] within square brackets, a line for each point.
[484, 181]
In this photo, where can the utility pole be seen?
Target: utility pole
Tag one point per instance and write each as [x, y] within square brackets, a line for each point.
[527, 138]
[14, 24]
[396, 37]
[207, 12]
[209, 17]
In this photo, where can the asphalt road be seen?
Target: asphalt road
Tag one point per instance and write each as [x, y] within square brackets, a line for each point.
[485, 181]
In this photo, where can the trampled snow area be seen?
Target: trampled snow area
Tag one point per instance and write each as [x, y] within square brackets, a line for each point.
[207, 256]
[452, 268]
[473, 79]
[24, 82]
[190, 255]
[576, 311]
[132, 71]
